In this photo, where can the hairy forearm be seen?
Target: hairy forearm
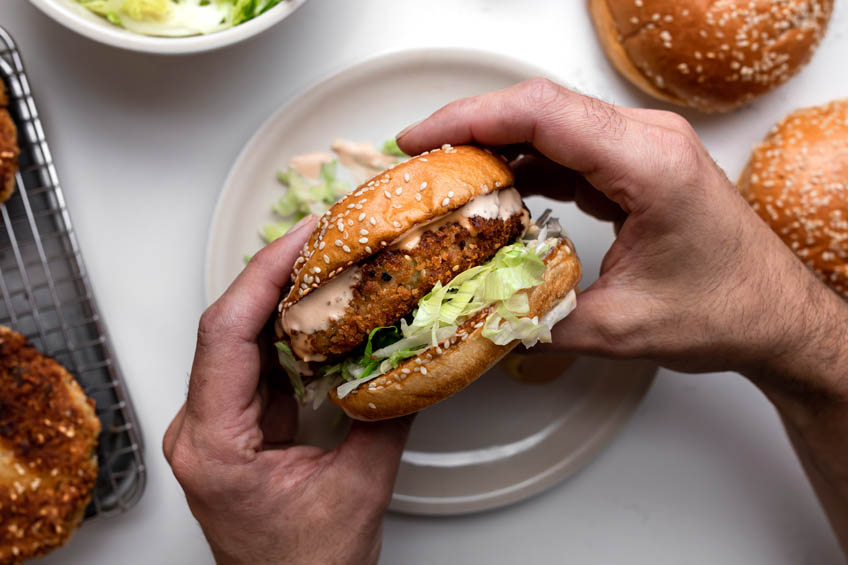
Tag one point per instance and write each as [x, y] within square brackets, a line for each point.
[807, 380]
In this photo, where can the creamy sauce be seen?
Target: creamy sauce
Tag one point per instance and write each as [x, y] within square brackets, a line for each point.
[309, 164]
[501, 204]
[326, 304]
[363, 159]
[316, 310]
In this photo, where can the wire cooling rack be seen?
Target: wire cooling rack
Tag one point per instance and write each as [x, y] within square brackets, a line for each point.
[46, 296]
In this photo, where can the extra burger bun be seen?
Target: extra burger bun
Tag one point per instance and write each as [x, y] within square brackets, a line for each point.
[713, 56]
[797, 181]
[440, 372]
[378, 212]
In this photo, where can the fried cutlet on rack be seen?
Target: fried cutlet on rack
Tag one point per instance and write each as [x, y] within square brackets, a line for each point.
[48, 438]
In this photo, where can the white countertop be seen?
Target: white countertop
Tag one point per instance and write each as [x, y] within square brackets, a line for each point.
[702, 473]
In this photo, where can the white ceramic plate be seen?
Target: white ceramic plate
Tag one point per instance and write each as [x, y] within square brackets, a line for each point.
[497, 441]
[81, 20]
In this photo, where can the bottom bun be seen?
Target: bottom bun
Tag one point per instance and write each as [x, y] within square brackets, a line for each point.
[444, 370]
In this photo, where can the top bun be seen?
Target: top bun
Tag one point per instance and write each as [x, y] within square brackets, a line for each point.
[797, 181]
[713, 56]
[387, 206]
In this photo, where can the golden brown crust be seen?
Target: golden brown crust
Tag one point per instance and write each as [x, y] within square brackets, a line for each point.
[8, 148]
[713, 55]
[387, 206]
[446, 370]
[48, 437]
[797, 181]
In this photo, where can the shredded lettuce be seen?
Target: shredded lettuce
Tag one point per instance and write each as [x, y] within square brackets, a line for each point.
[497, 283]
[303, 196]
[244, 10]
[390, 147]
[174, 18]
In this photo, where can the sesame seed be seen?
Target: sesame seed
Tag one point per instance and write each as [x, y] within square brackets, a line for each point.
[372, 221]
[406, 177]
[361, 216]
[363, 240]
[396, 224]
[363, 232]
[423, 370]
[367, 249]
[387, 193]
[326, 259]
[423, 185]
[371, 406]
[450, 194]
[446, 201]
[399, 191]
[339, 243]
[418, 197]
[321, 245]
[346, 248]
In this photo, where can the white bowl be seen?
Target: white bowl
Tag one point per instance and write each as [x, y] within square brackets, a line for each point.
[73, 16]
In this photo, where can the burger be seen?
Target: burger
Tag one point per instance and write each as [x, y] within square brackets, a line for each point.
[417, 282]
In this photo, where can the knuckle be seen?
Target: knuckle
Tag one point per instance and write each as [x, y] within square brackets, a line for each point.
[678, 123]
[183, 465]
[212, 321]
[682, 155]
[541, 93]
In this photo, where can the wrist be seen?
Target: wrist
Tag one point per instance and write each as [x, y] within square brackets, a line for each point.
[804, 363]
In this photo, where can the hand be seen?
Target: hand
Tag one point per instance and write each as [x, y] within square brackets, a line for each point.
[258, 503]
[693, 278]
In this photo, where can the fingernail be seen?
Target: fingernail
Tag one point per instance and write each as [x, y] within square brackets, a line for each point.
[302, 222]
[407, 129]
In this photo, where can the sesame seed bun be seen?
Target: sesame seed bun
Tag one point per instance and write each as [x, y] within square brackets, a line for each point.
[48, 437]
[375, 214]
[713, 56]
[440, 372]
[797, 181]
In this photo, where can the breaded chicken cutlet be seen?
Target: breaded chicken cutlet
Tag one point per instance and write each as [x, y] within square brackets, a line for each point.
[394, 280]
[48, 437]
[9, 150]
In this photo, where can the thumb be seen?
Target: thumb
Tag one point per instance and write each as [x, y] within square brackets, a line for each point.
[600, 325]
[376, 447]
